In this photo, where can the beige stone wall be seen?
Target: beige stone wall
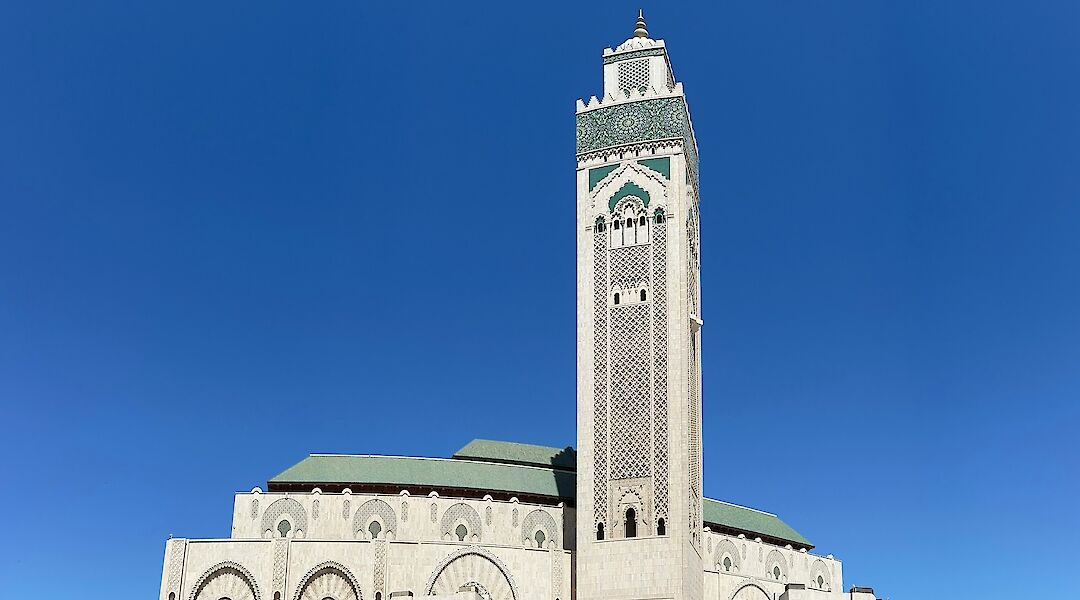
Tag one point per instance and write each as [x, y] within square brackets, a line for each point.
[752, 562]
[286, 567]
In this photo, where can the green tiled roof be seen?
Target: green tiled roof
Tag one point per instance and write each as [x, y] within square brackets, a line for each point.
[750, 520]
[515, 469]
[429, 472]
[521, 454]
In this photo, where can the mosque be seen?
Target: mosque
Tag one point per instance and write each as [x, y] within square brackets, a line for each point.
[620, 518]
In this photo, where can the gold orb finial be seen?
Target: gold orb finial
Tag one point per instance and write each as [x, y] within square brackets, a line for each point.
[641, 31]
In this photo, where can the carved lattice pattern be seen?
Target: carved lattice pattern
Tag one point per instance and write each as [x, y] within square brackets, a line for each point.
[380, 568]
[634, 76]
[693, 376]
[631, 414]
[285, 506]
[462, 513]
[660, 366]
[370, 509]
[600, 374]
[540, 519]
[629, 267]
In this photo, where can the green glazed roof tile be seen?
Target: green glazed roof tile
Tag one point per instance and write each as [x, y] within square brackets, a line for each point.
[522, 454]
[522, 469]
[751, 520]
[429, 472]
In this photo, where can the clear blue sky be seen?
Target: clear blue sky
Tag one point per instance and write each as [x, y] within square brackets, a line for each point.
[236, 233]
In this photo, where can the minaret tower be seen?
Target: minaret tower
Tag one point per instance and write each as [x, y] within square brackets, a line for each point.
[639, 404]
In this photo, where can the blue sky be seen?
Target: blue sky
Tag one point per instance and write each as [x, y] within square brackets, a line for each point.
[233, 234]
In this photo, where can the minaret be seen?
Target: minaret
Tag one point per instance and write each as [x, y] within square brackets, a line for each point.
[639, 405]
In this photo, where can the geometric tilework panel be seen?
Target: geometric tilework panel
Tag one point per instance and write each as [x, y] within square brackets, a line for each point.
[632, 122]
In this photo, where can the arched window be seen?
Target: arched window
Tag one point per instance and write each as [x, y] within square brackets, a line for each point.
[661, 527]
[277, 596]
[631, 523]
[378, 595]
[659, 216]
[615, 224]
[820, 582]
[461, 532]
[172, 595]
[616, 297]
[641, 221]
[540, 538]
[375, 528]
[727, 563]
[776, 572]
[284, 527]
[599, 531]
[642, 295]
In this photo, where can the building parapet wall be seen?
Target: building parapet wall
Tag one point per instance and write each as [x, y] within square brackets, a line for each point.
[401, 517]
[732, 562]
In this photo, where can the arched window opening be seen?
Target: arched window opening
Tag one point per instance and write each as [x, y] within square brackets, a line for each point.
[631, 523]
[172, 595]
[461, 532]
[616, 297]
[641, 221]
[615, 224]
[599, 531]
[776, 572]
[284, 527]
[375, 528]
[540, 538]
[820, 582]
[378, 595]
[727, 563]
[629, 222]
[661, 527]
[277, 596]
[659, 216]
[642, 295]
[599, 223]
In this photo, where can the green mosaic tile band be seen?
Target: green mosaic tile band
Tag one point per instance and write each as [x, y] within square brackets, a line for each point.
[634, 122]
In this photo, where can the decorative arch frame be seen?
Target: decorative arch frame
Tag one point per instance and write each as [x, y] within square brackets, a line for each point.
[651, 188]
[375, 508]
[774, 557]
[478, 551]
[819, 567]
[214, 569]
[461, 513]
[328, 565]
[537, 520]
[724, 548]
[285, 506]
[749, 585]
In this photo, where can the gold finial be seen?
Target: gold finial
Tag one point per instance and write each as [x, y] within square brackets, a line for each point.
[641, 31]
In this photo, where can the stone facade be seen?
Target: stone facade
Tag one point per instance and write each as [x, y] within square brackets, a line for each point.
[633, 527]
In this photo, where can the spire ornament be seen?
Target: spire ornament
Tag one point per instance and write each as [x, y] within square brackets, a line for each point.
[640, 31]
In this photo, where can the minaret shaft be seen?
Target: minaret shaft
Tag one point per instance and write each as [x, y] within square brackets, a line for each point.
[639, 406]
